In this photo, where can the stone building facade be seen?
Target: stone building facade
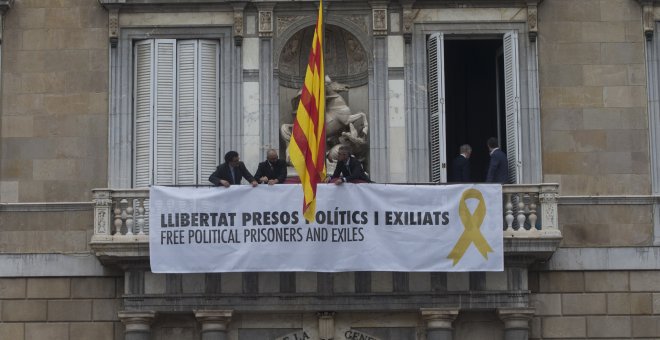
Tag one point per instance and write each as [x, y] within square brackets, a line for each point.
[571, 90]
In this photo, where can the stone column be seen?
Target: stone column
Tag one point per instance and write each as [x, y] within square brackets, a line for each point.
[516, 322]
[137, 324]
[214, 323]
[438, 323]
[269, 128]
[326, 325]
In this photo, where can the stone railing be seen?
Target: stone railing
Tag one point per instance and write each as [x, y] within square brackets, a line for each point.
[530, 211]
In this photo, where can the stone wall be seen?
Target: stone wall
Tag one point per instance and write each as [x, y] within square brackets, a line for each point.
[596, 305]
[54, 101]
[593, 97]
[80, 308]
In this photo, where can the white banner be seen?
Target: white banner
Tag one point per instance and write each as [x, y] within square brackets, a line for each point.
[359, 227]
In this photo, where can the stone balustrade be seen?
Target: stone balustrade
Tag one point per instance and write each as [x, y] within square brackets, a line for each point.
[529, 211]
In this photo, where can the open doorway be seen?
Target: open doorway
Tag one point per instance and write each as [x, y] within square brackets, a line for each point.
[474, 99]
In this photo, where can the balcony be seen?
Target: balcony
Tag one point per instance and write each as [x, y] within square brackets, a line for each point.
[529, 221]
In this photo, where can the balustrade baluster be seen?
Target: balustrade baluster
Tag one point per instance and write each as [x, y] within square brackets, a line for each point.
[508, 215]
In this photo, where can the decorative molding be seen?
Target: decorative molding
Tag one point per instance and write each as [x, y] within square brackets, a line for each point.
[532, 20]
[239, 22]
[609, 200]
[515, 318]
[46, 206]
[214, 320]
[604, 258]
[438, 318]
[379, 24]
[113, 26]
[266, 23]
[360, 21]
[47, 265]
[284, 21]
[648, 19]
[137, 322]
[409, 16]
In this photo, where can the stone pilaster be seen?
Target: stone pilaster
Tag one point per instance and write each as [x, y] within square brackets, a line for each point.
[516, 322]
[439, 323]
[326, 325]
[137, 324]
[214, 323]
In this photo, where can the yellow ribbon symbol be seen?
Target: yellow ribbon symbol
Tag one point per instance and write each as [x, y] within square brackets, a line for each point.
[471, 223]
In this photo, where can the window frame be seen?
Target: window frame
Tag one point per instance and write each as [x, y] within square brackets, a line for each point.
[529, 124]
[121, 116]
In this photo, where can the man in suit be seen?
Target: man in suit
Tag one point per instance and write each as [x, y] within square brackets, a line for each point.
[498, 169]
[349, 168]
[231, 171]
[460, 167]
[272, 170]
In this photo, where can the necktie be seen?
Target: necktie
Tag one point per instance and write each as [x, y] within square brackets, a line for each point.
[233, 176]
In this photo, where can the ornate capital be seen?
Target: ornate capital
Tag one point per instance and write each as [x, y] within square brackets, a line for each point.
[516, 318]
[238, 22]
[214, 320]
[648, 18]
[439, 318]
[137, 321]
[532, 20]
[408, 17]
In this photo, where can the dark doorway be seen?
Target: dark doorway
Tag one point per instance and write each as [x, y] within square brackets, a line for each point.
[474, 98]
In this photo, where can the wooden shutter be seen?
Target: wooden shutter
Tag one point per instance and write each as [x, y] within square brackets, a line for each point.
[512, 103]
[143, 111]
[186, 112]
[208, 105]
[164, 104]
[436, 90]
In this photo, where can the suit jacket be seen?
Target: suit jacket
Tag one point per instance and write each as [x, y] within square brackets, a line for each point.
[223, 172]
[498, 169]
[277, 171]
[353, 172]
[460, 170]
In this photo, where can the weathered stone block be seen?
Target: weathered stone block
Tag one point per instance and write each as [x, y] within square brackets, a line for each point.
[603, 31]
[50, 331]
[458, 281]
[618, 303]
[562, 119]
[12, 288]
[605, 75]
[306, 282]
[381, 281]
[583, 304]
[646, 326]
[624, 96]
[606, 281]
[32, 18]
[564, 327]
[88, 330]
[154, 283]
[12, 331]
[24, 310]
[629, 303]
[608, 326]
[579, 54]
[105, 309]
[344, 282]
[566, 75]
[644, 281]
[620, 10]
[231, 282]
[546, 304]
[93, 287]
[563, 282]
[49, 288]
[269, 282]
[622, 53]
[419, 282]
[62, 17]
[69, 310]
[17, 126]
[567, 10]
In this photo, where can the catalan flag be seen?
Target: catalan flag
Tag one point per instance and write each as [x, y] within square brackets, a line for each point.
[307, 147]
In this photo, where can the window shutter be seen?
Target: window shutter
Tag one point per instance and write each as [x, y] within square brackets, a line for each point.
[512, 101]
[143, 106]
[436, 90]
[186, 112]
[208, 108]
[164, 112]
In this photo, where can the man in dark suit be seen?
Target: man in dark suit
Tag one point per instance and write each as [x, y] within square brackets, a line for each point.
[231, 171]
[272, 170]
[498, 169]
[349, 168]
[460, 167]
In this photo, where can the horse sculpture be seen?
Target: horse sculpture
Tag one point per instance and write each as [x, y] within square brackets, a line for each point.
[341, 126]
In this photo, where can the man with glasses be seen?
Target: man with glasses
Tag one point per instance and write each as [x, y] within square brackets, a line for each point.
[272, 170]
[231, 172]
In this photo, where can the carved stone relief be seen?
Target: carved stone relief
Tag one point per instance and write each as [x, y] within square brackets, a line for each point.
[380, 19]
[265, 21]
[284, 21]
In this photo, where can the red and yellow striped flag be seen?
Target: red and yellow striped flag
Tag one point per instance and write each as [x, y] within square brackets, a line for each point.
[307, 147]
